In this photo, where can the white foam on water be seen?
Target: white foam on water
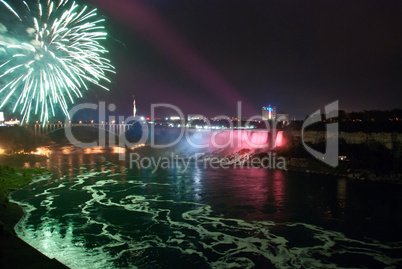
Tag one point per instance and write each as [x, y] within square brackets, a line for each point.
[65, 248]
[154, 221]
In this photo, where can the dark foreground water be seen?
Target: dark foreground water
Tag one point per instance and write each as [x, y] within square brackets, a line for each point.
[95, 212]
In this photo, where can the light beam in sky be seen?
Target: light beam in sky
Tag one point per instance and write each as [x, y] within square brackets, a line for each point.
[142, 18]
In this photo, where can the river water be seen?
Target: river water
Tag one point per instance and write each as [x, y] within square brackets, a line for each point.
[94, 211]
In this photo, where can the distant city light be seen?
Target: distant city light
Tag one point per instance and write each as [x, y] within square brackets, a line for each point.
[12, 122]
[269, 112]
[43, 151]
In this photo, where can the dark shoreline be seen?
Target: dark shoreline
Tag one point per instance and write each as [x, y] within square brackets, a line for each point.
[14, 252]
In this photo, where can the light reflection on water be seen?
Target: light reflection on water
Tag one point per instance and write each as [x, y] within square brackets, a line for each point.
[94, 212]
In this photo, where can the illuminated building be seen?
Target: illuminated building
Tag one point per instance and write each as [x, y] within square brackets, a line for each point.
[12, 122]
[268, 113]
[191, 117]
[134, 107]
[175, 118]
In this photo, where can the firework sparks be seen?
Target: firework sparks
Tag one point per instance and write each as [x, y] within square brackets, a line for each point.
[57, 54]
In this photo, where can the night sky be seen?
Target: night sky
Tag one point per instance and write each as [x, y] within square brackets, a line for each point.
[203, 56]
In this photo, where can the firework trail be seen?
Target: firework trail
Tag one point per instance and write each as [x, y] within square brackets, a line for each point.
[52, 52]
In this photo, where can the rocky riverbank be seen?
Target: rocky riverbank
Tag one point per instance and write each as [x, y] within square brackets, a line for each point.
[273, 160]
[345, 169]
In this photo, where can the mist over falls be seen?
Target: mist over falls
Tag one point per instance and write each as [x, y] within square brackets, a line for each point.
[183, 141]
[190, 141]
